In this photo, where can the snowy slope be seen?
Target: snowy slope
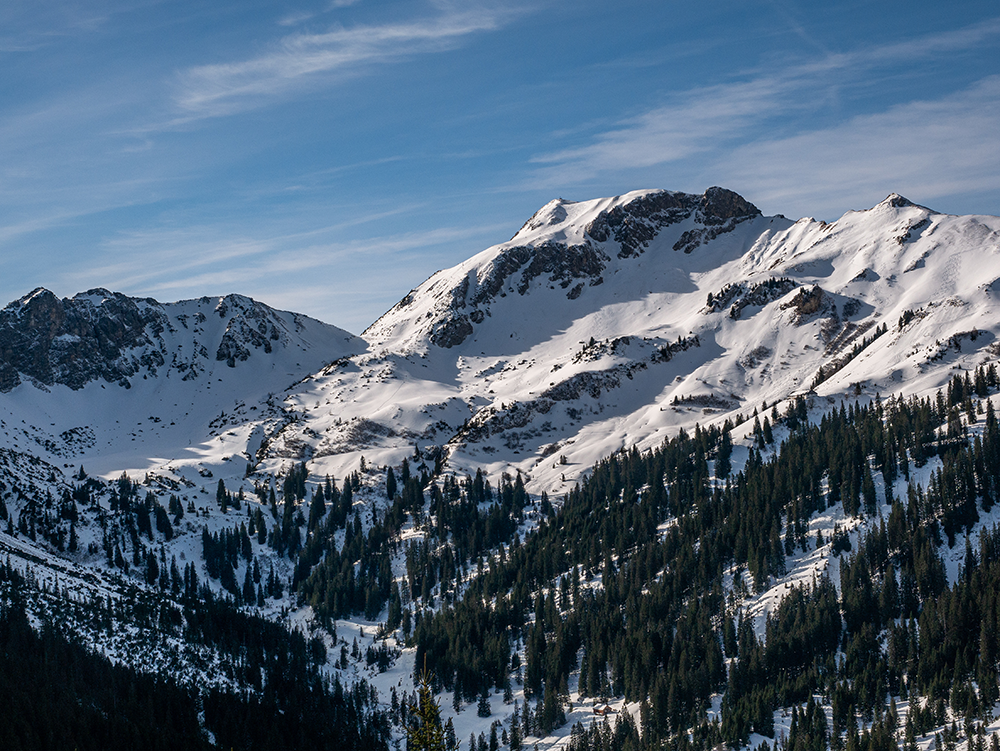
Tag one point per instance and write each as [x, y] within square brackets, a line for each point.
[150, 387]
[616, 322]
[600, 324]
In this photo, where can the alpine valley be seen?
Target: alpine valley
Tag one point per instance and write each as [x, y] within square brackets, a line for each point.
[657, 472]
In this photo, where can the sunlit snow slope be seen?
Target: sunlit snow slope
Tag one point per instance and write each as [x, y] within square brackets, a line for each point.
[617, 321]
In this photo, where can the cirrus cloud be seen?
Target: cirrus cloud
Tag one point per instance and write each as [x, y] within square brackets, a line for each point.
[300, 60]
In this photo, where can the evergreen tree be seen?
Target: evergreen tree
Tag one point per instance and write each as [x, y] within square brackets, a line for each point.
[425, 733]
[515, 732]
[390, 483]
[723, 463]
[249, 593]
[450, 739]
[317, 508]
[222, 496]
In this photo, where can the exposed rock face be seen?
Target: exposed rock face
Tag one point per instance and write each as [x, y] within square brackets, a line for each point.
[744, 295]
[100, 334]
[561, 263]
[249, 327]
[452, 331]
[572, 259]
[897, 201]
[811, 301]
[632, 225]
[74, 341]
[807, 301]
[719, 205]
[635, 224]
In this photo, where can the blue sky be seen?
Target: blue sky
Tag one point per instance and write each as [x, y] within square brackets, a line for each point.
[326, 157]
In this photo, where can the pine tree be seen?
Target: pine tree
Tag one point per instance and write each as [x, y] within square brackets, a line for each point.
[450, 739]
[483, 708]
[425, 732]
[317, 509]
[515, 733]
[723, 463]
[249, 593]
[390, 483]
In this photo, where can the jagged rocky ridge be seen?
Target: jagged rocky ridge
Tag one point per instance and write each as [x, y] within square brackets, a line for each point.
[522, 347]
[600, 323]
[74, 341]
[573, 266]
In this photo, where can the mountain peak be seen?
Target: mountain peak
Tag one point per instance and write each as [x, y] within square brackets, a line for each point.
[564, 249]
[111, 336]
[39, 295]
[635, 222]
[722, 204]
[896, 201]
[551, 214]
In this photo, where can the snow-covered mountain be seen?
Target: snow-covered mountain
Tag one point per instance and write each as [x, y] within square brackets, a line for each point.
[601, 324]
[122, 384]
[616, 322]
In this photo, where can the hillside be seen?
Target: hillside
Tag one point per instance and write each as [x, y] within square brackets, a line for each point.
[723, 473]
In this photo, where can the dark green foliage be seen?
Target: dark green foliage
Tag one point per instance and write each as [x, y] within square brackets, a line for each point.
[425, 732]
[390, 484]
[483, 708]
[623, 578]
[645, 612]
[56, 694]
[465, 524]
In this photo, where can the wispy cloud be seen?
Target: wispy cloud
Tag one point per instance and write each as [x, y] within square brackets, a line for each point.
[956, 40]
[694, 123]
[713, 124]
[300, 60]
[26, 27]
[295, 18]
